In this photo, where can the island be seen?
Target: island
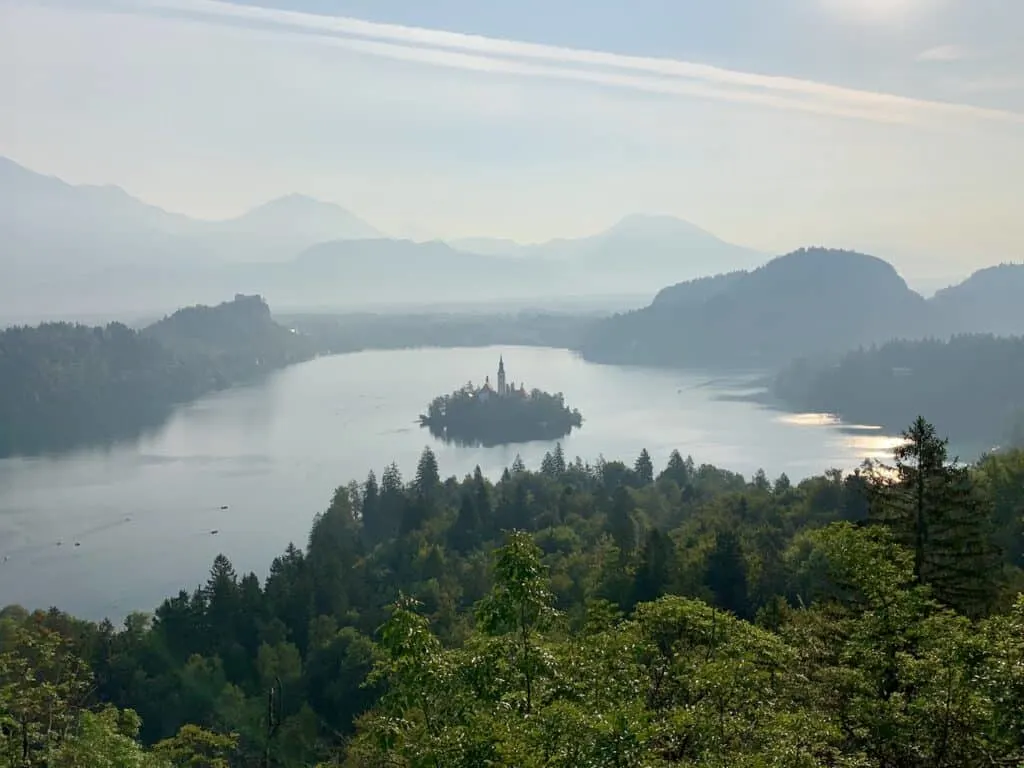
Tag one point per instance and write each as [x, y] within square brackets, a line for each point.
[497, 415]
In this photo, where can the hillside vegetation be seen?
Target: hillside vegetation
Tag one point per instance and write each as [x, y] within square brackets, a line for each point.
[814, 303]
[580, 615]
[66, 385]
[974, 383]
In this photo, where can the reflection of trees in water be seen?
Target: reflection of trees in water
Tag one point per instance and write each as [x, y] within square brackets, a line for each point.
[490, 442]
[116, 428]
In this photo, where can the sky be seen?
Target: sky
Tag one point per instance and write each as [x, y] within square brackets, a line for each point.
[894, 127]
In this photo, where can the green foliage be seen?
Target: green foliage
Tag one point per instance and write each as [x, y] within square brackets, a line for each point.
[937, 510]
[574, 616]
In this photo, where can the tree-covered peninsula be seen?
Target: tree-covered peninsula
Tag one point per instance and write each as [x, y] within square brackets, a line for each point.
[497, 415]
[66, 385]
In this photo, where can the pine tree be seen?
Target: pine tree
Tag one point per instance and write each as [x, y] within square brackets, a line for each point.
[678, 470]
[428, 478]
[654, 573]
[726, 573]
[621, 524]
[464, 535]
[373, 532]
[391, 505]
[934, 510]
[644, 468]
[559, 458]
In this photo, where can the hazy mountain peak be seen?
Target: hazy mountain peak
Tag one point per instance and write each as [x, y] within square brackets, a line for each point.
[295, 213]
[655, 225]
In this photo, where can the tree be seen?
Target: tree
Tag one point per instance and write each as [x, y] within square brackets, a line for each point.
[428, 478]
[519, 607]
[934, 509]
[644, 468]
[195, 747]
[374, 528]
[654, 572]
[464, 535]
[621, 523]
[553, 464]
[104, 739]
[726, 573]
[678, 470]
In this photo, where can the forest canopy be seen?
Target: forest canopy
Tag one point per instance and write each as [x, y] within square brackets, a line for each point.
[583, 614]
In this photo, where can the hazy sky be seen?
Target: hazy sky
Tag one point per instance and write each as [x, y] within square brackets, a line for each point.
[893, 126]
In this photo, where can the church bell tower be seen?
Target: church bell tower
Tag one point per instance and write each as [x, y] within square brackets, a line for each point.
[502, 388]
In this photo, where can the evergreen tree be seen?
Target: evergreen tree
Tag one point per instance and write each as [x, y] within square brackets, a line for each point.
[391, 504]
[644, 468]
[464, 535]
[222, 603]
[559, 459]
[726, 573]
[518, 467]
[678, 470]
[935, 510]
[621, 523]
[373, 530]
[428, 477]
[654, 572]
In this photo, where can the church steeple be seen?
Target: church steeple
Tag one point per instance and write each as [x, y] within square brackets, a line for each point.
[502, 389]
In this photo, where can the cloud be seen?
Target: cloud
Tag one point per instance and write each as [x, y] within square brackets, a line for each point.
[945, 53]
[665, 76]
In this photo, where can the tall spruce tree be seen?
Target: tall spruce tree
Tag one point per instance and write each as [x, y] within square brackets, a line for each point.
[644, 468]
[934, 509]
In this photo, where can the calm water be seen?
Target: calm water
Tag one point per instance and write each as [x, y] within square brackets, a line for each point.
[142, 513]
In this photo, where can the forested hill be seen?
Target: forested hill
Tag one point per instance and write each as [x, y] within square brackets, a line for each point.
[580, 615]
[973, 383]
[67, 385]
[236, 340]
[989, 301]
[808, 302]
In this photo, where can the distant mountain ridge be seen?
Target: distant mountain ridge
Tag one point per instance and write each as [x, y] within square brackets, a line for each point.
[811, 301]
[88, 249]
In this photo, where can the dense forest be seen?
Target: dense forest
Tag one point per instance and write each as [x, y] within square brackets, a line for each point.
[972, 382]
[470, 416]
[600, 614]
[66, 385]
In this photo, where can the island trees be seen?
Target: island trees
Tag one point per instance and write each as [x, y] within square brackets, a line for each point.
[471, 416]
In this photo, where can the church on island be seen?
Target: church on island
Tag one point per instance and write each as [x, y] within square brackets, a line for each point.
[505, 388]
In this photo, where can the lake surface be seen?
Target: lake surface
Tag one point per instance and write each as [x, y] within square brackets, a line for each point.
[104, 532]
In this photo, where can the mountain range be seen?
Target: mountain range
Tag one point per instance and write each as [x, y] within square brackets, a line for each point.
[813, 302]
[79, 249]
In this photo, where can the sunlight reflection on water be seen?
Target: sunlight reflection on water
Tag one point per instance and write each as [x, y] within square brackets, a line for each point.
[869, 446]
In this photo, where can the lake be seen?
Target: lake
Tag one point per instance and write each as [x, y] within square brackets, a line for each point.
[108, 531]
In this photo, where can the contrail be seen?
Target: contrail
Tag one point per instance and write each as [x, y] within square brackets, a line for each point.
[656, 75]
